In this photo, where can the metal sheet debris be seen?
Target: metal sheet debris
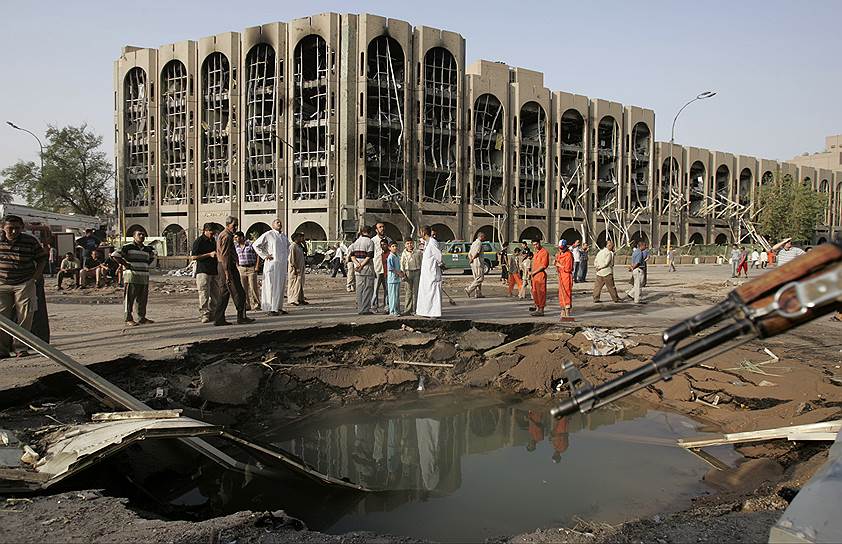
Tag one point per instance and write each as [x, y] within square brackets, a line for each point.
[606, 342]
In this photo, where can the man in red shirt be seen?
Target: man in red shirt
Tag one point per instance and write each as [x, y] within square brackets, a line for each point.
[540, 262]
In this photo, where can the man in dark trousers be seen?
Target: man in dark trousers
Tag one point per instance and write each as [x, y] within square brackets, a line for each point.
[232, 286]
[137, 259]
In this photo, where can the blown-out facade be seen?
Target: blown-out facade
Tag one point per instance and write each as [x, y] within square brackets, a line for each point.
[336, 120]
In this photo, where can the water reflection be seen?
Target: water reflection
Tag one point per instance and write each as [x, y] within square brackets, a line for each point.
[420, 446]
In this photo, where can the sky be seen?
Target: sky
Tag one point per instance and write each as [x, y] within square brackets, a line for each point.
[775, 65]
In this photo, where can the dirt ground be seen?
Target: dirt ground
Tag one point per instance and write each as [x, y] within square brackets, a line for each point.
[324, 355]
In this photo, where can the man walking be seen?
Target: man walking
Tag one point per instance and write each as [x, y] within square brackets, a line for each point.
[232, 286]
[136, 259]
[273, 247]
[540, 263]
[429, 289]
[22, 262]
[362, 256]
[670, 259]
[297, 266]
[604, 265]
[477, 267]
[247, 267]
[637, 267]
[411, 267]
[207, 272]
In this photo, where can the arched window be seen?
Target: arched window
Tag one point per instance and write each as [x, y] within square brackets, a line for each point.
[641, 139]
[216, 129]
[440, 120]
[312, 111]
[136, 138]
[260, 123]
[174, 133]
[488, 151]
[571, 160]
[386, 122]
[532, 159]
[608, 152]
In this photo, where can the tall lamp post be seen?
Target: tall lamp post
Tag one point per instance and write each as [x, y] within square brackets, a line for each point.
[41, 145]
[700, 96]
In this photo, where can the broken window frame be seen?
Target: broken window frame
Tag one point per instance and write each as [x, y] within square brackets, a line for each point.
[312, 110]
[174, 133]
[261, 138]
[570, 161]
[216, 129]
[641, 140]
[136, 137]
[488, 150]
[607, 146]
[744, 191]
[696, 188]
[721, 180]
[385, 143]
[440, 126]
[532, 156]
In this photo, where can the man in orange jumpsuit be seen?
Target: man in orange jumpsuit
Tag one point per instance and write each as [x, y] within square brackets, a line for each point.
[560, 439]
[540, 263]
[564, 266]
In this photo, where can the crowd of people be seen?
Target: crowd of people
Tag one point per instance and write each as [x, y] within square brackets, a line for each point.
[378, 270]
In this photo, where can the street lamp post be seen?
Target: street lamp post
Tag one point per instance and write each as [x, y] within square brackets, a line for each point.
[700, 96]
[41, 145]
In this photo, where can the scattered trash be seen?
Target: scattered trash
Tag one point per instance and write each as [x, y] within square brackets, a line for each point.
[30, 456]
[407, 328]
[803, 407]
[605, 342]
[421, 383]
[180, 272]
[764, 383]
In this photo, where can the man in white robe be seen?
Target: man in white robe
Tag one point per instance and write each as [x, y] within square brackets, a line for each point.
[429, 284]
[273, 247]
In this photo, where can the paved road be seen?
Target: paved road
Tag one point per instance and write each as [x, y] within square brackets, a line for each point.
[89, 325]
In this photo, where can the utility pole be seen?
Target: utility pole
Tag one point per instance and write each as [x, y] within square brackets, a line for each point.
[700, 96]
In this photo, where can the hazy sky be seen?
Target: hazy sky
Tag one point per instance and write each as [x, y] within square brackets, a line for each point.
[776, 65]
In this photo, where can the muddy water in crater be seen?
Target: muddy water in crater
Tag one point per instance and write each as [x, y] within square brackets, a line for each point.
[465, 468]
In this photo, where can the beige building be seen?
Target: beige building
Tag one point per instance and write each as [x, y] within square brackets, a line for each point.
[336, 120]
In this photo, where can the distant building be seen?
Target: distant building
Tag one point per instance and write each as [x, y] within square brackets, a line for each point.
[336, 120]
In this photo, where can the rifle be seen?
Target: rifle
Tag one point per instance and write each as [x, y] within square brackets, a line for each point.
[787, 297]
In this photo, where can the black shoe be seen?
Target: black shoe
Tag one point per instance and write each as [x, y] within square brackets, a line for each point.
[244, 320]
[221, 323]
[273, 314]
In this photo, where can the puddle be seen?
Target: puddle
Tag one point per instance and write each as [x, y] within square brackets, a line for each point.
[463, 468]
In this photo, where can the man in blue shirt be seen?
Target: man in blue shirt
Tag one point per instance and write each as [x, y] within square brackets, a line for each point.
[638, 270]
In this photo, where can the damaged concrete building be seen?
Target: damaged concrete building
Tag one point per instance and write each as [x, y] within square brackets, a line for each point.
[336, 120]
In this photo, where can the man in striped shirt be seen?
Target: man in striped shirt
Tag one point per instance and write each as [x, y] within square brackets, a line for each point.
[136, 259]
[22, 260]
[247, 266]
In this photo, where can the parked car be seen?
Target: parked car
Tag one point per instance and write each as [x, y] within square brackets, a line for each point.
[455, 256]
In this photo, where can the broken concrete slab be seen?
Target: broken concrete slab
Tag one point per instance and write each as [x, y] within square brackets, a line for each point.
[398, 376]
[229, 383]
[442, 351]
[477, 340]
[402, 338]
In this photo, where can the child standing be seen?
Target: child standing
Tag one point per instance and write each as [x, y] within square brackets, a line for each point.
[514, 272]
[393, 282]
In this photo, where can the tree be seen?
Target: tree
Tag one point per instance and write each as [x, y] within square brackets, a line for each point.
[789, 209]
[77, 176]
